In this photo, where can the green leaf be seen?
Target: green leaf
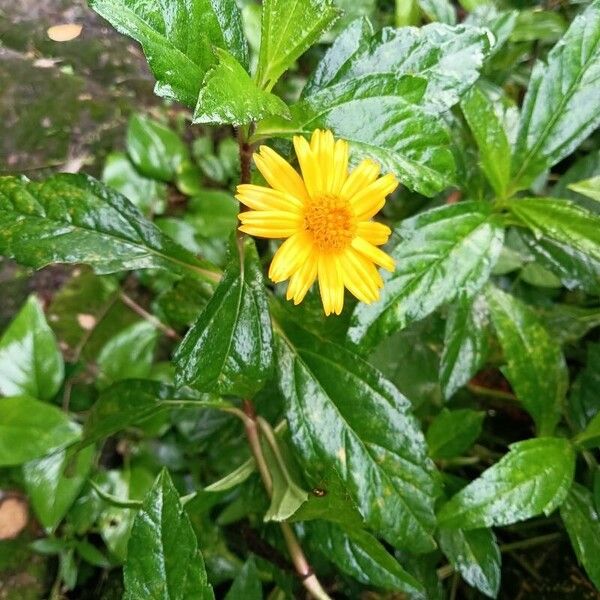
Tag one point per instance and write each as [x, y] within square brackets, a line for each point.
[535, 365]
[487, 128]
[75, 219]
[584, 402]
[466, 343]
[561, 221]
[361, 555]
[475, 555]
[156, 151]
[53, 483]
[378, 115]
[178, 38]
[234, 478]
[590, 436]
[247, 585]
[453, 432]
[561, 107]
[213, 213]
[439, 10]
[147, 195]
[30, 360]
[582, 522]
[128, 355]
[229, 348]
[533, 478]
[163, 561]
[443, 252]
[588, 187]
[30, 429]
[133, 401]
[287, 31]
[230, 96]
[535, 24]
[346, 419]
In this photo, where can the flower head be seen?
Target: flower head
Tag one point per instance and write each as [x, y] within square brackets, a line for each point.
[325, 218]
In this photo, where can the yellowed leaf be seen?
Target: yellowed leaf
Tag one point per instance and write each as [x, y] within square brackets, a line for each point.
[65, 32]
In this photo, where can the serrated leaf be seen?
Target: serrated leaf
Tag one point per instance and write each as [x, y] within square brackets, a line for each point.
[133, 401]
[466, 343]
[288, 29]
[533, 478]
[345, 418]
[475, 555]
[229, 348]
[246, 585]
[379, 115]
[453, 431]
[443, 252]
[535, 365]
[30, 429]
[155, 149]
[562, 106]
[30, 361]
[127, 355]
[163, 561]
[582, 521]
[178, 38]
[488, 130]
[230, 96]
[562, 221]
[362, 556]
[76, 219]
[53, 482]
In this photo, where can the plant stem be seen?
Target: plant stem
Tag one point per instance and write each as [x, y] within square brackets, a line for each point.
[245, 149]
[301, 564]
[142, 312]
[530, 542]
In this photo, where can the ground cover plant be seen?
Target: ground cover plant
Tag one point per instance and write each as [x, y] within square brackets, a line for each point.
[326, 323]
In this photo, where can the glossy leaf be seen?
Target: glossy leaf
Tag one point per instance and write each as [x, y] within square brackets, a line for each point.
[590, 436]
[163, 561]
[535, 365]
[584, 402]
[133, 401]
[30, 429]
[475, 555]
[561, 221]
[156, 151]
[75, 219]
[147, 195]
[247, 585]
[287, 31]
[178, 38]
[229, 348]
[582, 521]
[444, 252]
[128, 355]
[345, 418]
[488, 130]
[360, 555]
[30, 360]
[53, 483]
[533, 478]
[466, 343]
[453, 432]
[230, 96]
[588, 187]
[562, 106]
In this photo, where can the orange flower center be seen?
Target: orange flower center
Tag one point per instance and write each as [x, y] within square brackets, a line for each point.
[330, 222]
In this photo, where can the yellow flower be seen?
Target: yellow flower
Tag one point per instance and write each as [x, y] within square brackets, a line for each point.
[325, 216]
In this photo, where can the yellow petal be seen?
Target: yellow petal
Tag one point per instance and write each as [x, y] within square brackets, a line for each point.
[258, 197]
[370, 200]
[376, 233]
[362, 288]
[311, 170]
[331, 284]
[365, 270]
[270, 223]
[280, 175]
[373, 253]
[322, 145]
[363, 175]
[302, 279]
[290, 256]
[340, 167]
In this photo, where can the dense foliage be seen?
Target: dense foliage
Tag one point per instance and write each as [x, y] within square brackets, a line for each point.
[183, 432]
